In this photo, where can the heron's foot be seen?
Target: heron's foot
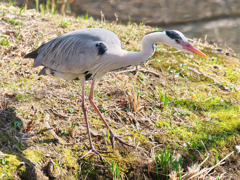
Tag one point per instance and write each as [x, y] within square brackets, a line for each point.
[97, 152]
[119, 138]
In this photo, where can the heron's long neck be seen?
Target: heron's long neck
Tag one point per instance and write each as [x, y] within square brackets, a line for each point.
[147, 50]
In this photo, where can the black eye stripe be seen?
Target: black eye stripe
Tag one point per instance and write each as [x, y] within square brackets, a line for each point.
[173, 34]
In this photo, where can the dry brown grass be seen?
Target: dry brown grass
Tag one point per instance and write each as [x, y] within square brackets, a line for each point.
[42, 128]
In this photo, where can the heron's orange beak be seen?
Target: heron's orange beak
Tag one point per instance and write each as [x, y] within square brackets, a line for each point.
[187, 46]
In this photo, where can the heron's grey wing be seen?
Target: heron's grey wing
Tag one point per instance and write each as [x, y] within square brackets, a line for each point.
[75, 52]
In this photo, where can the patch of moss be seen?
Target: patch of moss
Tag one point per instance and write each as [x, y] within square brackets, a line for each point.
[162, 124]
[33, 155]
[144, 141]
[69, 160]
[8, 170]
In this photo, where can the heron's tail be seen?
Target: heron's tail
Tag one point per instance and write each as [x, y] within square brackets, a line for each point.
[33, 54]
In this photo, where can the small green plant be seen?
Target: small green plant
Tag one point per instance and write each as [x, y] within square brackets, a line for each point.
[19, 29]
[72, 125]
[86, 16]
[163, 97]
[4, 41]
[20, 143]
[17, 124]
[215, 159]
[13, 21]
[170, 122]
[59, 163]
[165, 160]
[3, 160]
[64, 24]
[3, 13]
[20, 12]
[48, 6]
[10, 3]
[43, 7]
[64, 132]
[115, 170]
[37, 9]
[102, 109]
[107, 135]
[54, 9]
[79, 18]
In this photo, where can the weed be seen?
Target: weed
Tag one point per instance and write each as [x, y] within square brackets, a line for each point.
[18, 124]
[37, 9]
[107, 135]
[13, 21]
[102, 109]
[64, 24]
[72, 125]
[86, 16]
[19, 29]
[59, 163]
[163, 97]
[134, 99]
[54, 9]
[4, 41]
[3, 160]
[20, 12]
[115, 170]
[64, 132]
[78, 18]
[165, 160]
[48, 6]
[215, 159]
[209, 110]
[43, 7]
[20, 143]
[10, 3]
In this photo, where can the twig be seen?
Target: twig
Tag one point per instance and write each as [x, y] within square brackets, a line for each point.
[140, 70]
[58, 114]
[202, 171]
[152, 150]
[52, 131]
[206, 75]
[207, 154]
[219, 163]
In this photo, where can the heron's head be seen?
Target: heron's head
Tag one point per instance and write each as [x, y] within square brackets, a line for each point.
[177, 40]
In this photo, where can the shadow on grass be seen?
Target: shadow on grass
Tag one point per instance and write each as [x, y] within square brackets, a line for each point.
[13, 163]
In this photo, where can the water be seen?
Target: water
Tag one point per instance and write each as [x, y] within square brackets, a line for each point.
[225, 32]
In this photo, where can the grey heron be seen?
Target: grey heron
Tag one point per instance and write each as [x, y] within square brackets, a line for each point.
[92, 52]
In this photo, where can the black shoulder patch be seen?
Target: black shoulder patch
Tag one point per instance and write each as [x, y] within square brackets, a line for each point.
[87, 75]
[102, 48]
[173, 34]
[76, 79]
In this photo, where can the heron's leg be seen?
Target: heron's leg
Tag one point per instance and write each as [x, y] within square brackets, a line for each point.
[92, 149]
[113, 136]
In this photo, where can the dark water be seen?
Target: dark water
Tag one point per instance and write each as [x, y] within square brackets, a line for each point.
[225, 32]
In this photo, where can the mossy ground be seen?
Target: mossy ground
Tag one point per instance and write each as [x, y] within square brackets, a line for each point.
[195, 109]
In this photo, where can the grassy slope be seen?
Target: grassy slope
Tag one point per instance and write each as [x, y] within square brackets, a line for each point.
[196, 109]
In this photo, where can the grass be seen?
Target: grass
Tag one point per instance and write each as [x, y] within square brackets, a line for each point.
[170, 115]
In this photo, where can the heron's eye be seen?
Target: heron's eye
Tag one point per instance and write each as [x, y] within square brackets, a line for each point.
[177, 41]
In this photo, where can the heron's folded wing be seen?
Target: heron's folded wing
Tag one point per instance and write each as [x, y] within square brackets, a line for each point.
[71, 54]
